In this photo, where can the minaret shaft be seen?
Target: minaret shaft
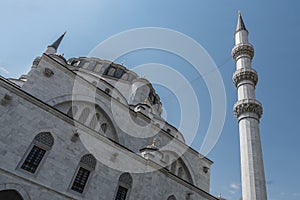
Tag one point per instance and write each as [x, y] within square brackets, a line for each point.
[248, 111]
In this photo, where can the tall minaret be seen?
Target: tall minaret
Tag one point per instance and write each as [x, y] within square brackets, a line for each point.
[248, 112]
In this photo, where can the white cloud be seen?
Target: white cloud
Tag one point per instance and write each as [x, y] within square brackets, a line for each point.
[234, 186]
[4, 70]
[232, 191]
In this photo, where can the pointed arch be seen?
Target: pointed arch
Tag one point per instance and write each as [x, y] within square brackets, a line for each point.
[172, 197]
[41, 144]
[124, 186]
[176, 165]
[16, 188]
[86, 166]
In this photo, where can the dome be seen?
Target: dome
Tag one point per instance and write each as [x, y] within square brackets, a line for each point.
[136, 90]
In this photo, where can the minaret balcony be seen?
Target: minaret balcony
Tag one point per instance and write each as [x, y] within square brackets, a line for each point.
[244, 74]
[240, 50]
[248, 106]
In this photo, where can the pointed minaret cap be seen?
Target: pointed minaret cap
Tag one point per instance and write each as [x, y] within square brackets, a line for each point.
[240, 24]
[52, 49]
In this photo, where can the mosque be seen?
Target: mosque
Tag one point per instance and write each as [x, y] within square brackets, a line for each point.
[86, 128]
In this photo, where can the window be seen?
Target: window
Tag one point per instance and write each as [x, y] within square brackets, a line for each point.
[180, 172]
[86, 166]
[173, 167]
[33, 159]
[94, 121]
[42, 143]
[125, 183]
[84, 115]
[111, 71]
[121, 193]
[104, 127]
[114, 71]
[72, 111]
[80, 180]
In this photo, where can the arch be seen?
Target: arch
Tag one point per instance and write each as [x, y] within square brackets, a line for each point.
[172, 197]
[126, 179]
[177, 166]
[39, 147]
[86, 166]
[45, 139]
[89, 161]
[16, 188]
[124, 186]
[67, 100]
[10, 195]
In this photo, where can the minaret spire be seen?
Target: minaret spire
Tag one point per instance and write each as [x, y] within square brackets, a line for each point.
[52, 49]
[240, 24]
[248, 112]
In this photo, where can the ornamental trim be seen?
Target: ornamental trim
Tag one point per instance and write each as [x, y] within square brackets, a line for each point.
[244, 74]
[248, 106]
[242, 49]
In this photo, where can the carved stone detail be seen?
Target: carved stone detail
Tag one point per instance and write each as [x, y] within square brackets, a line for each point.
[244, 74]
[4, 101]
[242, 49]
[44, 139]
[48, 72]
[36, 62]
[248, 105]
[88, 161]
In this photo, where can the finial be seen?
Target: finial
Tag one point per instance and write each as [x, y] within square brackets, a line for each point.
[153, 142]
[240, 24]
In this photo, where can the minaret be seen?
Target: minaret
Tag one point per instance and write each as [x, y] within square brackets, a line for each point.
[52, 49]
[248, 112]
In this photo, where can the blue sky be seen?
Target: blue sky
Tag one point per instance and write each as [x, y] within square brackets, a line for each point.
[274, 26]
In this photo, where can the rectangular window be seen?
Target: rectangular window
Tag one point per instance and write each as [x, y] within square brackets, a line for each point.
[80, 180]
[121, 193]
[33, 159]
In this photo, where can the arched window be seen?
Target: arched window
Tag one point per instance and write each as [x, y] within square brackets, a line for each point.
[125, 76]
[84, 115]
[104, 127]
[86, 166]
[172, 197]
[94, 121]
[72, 111]
[173, 167]
[111, 71]
[10, 195]
[180, 170]
[42, 143]
[124, 186]
[167, 158]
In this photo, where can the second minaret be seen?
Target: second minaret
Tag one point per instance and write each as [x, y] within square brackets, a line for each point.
[248, 112]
